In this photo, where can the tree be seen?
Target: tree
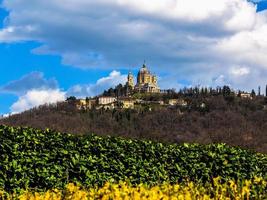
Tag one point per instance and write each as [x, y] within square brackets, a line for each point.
[253, 93]
[71, 98]
[226, 91]
[206, 91]
[259, 91]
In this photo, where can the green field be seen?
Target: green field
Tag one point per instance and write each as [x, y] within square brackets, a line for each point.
[42, 160]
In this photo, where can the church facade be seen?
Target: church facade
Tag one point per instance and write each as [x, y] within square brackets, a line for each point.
[146, 81]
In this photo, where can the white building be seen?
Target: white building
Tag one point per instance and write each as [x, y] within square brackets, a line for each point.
[106, 100]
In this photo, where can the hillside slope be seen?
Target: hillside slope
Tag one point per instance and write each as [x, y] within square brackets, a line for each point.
[238, 122]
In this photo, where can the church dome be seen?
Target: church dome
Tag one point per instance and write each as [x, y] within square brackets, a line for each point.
[144, 69]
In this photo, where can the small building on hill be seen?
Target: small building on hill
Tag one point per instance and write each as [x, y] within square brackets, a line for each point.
[85, 104]
[126, 103]
[245, 95]
[179, 102]
[106, 100]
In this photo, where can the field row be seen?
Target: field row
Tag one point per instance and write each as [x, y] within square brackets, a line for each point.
[248, 189]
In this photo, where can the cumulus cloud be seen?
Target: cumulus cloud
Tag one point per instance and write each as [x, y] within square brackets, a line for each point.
[34, 90]
[34, 80]
[34, 98]
[240, 71]
[112, 80]
[196, 40]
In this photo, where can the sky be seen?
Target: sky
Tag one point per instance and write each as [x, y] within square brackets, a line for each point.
[50, 49]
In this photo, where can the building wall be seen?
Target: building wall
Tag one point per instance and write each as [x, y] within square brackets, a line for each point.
[85, 104]
[127, 104]
[155, 80]
[246, 96]
[106, 100]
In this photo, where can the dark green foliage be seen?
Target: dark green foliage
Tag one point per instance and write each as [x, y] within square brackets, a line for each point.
[253, 93]
[71, 98]
[31, 158]
[118, 91]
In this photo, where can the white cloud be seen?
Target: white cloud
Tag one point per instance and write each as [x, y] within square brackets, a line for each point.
[240, 71]
[188, 39]
[34, 98]
[112, 80]
[34, 90]
[220, 80]
[246, 47]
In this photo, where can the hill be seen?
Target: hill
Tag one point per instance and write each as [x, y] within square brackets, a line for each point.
[223, 119]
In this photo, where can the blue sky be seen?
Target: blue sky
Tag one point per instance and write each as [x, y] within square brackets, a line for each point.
[52, 50]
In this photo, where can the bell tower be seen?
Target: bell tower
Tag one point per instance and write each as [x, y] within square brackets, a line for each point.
[130, 80]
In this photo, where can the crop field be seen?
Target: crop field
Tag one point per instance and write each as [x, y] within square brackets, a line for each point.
[37, 164]
[248, 189]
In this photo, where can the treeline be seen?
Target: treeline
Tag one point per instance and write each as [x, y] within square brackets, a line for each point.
[224, 118]
[124, 90]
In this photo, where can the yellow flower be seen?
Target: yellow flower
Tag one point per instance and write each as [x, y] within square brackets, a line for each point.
[245, 191]
[124, 191]
[257, 179]
[71, 187]
[216, 180]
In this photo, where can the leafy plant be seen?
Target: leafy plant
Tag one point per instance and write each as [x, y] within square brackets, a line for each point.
[31, 158]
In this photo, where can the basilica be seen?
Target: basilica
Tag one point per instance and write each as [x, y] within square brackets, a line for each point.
[146, 81]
